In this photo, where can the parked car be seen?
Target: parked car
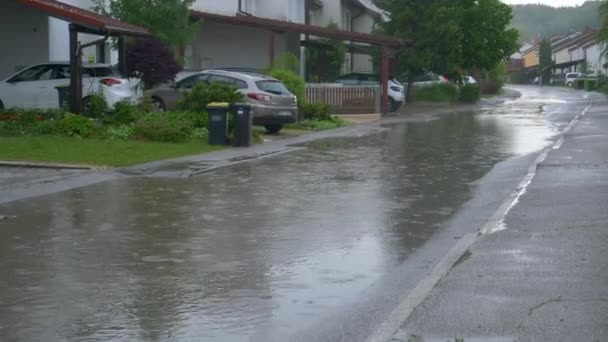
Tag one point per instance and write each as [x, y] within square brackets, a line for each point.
[571, 77]
[424, 80]
[34, 86]
[272, 104]
[396, 96]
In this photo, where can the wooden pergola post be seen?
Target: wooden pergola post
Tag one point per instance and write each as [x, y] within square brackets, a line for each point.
[75, 72]
[384, 79]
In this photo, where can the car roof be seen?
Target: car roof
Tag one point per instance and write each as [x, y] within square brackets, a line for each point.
[86, 65]
[242, 74]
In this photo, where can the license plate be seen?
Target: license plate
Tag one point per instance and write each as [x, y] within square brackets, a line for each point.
[285, 113]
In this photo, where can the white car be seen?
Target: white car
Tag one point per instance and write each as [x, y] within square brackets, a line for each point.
[35, 86]
[571, 77]
[425, 80]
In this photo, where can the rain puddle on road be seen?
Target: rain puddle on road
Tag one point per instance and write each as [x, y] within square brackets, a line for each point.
[261, 248]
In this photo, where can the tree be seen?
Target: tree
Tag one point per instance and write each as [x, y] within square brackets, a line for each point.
[325, 61]
[486, 38]
[169, 20]
[433, 25]
[545, 60]
[151, 61]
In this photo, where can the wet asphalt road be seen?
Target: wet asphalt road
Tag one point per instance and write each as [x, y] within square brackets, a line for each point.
[318, 244]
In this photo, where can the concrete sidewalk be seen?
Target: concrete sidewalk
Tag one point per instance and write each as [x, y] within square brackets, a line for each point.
[544, 276]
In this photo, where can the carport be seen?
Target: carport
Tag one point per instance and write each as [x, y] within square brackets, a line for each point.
[276, 26]
[84, 21]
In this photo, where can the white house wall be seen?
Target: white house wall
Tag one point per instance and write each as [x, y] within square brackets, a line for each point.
[223, 45]
[24, 37]
[59, 41]
[286, 10]
[562, 56]
[331, 11]
[225, 7]
[595, 59]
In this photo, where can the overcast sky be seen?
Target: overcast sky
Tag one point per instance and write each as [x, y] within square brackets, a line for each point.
[555, 3]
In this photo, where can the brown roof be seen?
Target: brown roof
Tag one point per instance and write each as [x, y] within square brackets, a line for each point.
[568, 43]
[284, 26]
[95, 22]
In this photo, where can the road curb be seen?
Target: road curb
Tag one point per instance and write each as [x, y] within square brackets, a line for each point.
[390, 329]
[36, 165]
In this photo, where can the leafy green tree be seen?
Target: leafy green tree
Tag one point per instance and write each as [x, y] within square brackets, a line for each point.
[545, 61]
[486, 38]
[169, 20]
[433, 25]
[325, 61]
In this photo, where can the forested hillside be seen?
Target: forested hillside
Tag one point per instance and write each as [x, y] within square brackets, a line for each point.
[547, 21]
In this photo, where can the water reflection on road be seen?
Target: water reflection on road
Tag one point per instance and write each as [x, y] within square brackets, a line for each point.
[269, 246]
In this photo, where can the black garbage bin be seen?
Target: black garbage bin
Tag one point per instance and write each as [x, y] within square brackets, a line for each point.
[218, 123]
[243, 122]
[63, 91]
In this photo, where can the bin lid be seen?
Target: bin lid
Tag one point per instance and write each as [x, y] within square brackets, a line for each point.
[218, 105]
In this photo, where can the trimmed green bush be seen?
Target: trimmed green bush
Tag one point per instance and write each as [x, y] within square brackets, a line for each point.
[200, 133]
[202, 94]
[469, 93]
[76, 125]
[173, 127]
[123, 113]
[445, 92]
[315, 111]
[590, 85]
[122, 132]
[46, 127]
[578, 84]
[95, 106]
[293, 82]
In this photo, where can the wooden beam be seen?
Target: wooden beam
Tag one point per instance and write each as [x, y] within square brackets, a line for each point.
[75, 72]
[384, 79]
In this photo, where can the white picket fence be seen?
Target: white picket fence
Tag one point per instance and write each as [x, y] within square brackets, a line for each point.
[345, 99]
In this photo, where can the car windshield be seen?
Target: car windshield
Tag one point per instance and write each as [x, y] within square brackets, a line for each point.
[105, 71]
[274, 87]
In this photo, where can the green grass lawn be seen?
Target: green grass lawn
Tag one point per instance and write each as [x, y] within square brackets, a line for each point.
[69, 150]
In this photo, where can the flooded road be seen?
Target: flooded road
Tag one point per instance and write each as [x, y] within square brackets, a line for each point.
[265, 250]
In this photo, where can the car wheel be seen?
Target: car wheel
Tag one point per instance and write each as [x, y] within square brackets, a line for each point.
[569, 84]
[158, 104]
[273, 129]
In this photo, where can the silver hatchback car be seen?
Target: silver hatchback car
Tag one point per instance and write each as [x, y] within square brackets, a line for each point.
[272, 104]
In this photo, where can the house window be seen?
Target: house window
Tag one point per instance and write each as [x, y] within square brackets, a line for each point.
[248, 6]
[346, 19]
[296, 11]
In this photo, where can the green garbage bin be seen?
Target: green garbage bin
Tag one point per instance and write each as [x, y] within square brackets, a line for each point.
[243, 124]
[218, 123]
[63, 91]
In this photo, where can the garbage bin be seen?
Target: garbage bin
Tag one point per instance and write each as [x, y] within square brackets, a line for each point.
[63, 91]
[243, 122]
[218, 123]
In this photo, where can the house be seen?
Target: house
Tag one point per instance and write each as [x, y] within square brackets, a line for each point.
[233, 33]
[214, 45]
[350, 15]
[595, 57]
[36, 37]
